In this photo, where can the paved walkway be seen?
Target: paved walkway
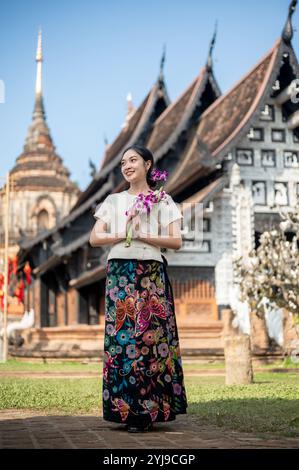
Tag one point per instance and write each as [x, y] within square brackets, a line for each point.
[81, 374]
[39, 430]
[87, 374]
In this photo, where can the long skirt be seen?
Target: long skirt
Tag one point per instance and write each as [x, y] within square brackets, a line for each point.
[142, 374]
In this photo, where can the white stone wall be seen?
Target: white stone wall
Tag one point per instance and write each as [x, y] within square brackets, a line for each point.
[223, 235]
[270, 175]
[219, 236]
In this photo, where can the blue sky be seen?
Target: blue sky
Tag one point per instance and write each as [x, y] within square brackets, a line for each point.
[95, 52]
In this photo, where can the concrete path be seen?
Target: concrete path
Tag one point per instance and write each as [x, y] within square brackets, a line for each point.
[87, 374]
[40, 430]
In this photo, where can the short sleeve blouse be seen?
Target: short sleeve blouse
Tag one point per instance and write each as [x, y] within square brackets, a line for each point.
[169, 211]
[104, 210]
[112, 211]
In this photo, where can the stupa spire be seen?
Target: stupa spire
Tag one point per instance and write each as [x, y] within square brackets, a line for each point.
[38, 134]
[39, 60]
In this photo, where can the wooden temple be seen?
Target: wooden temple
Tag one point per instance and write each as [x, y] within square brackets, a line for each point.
[236, 153]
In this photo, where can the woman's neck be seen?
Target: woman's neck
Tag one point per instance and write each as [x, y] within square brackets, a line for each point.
[138, 189]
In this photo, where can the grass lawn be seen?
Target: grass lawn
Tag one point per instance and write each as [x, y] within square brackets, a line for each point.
[270, 404]
[16, 365]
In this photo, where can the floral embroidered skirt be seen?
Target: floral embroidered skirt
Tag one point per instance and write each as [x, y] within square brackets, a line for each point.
[142, 374]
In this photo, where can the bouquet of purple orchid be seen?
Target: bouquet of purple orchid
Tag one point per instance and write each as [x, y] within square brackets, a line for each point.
[145, 203]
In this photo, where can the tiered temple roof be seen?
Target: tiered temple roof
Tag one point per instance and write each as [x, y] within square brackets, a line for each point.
[221, 122]
[136, 131]
[231, 115]
[191, 137]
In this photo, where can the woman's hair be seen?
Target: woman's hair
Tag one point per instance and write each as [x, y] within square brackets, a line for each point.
[146, 154]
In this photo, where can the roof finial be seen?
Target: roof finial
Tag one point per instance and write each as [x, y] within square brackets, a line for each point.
[287, 32]
[130, 110]
[212, 45]
[162, 61]
[105, 140]
[93, 168]
[130, 107]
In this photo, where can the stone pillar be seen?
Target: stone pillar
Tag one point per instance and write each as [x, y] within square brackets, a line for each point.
[227, 316]
[102, 307]
[37, 302]
[73, 307]
[258, 333]
[223, 278]
[31, 295]
[238, 366]
[290, 332]
[60, 308]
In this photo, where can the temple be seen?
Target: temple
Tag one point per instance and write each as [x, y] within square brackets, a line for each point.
[235, 153]
[41, 191]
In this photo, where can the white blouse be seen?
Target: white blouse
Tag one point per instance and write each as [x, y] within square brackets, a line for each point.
[112, 211]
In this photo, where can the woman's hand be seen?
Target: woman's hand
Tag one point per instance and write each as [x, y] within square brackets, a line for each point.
[172, 240]
[135, 220]
[100, 236]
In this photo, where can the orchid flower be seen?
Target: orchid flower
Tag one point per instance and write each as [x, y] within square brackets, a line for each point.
[144, 203]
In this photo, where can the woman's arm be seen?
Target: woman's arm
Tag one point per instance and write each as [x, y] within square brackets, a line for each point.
[99, 235]
[172, 240]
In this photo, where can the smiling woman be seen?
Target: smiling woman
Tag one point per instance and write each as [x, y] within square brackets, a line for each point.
[143, 378]
[135, 164]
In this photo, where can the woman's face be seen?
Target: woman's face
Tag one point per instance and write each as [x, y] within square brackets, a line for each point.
[133, 167]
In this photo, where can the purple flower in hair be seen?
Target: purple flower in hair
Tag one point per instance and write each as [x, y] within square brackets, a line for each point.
[158, 175]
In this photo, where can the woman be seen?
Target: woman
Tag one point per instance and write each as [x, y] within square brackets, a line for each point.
[142, 375]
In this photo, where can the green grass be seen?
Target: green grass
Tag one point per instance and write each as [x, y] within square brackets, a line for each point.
[65, 395]
[288, 362]
[16, 365]
[270, 404]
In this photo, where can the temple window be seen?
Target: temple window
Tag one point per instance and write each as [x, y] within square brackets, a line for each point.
[268, 158]
[278, 135]
[43, 220]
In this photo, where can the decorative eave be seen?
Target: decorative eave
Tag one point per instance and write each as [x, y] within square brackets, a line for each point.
[185, 110]
[176, 118]
[264, 92]
[137, 122]
[48, 264]
[208, 192]
[88, 277]
[58, 253]
[72, 246]
[195, 164]
[229, 118]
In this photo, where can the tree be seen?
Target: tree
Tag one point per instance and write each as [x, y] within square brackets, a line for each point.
[272, 270]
